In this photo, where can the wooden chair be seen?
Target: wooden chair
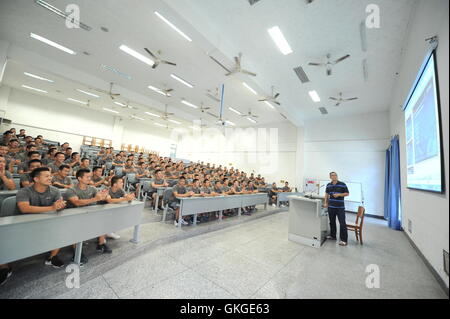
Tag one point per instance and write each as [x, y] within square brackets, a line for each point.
[358, 225]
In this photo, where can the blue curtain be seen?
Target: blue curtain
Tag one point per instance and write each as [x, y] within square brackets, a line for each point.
[392, 185]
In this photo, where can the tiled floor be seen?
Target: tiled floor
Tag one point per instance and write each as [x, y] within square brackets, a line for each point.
[256, 260]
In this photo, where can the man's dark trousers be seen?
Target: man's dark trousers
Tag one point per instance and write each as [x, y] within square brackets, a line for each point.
[340, 213]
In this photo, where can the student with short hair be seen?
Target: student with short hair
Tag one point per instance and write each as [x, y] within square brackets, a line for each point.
[25, 178]
[6, 179]
[68, 153]
[158, 182]
[75, 160]
[23, 168]
[59, 160]
[273, 194]
[62, 179]
[98, 180]
[180, 190]
[41, 197]
[116, 194]
[83, 194]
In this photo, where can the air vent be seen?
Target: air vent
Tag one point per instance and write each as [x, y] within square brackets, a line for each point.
[301, 74]
[409, 226]
[252, 2]
[323, 110]
[445, 261]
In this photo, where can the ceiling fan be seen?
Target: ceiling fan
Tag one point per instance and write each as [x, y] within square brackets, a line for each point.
[157, 60]
[340, 100]
[213, 95]
[330, 63]
[127, 105]
[203, 108]
[272, 98]
[250, 114]
[237, 67]
[166, 115]
[110, 93]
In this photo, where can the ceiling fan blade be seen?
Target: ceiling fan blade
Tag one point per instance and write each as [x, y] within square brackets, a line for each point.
[316, 64]
[237, 60]
[276, 95]
[212, 97]
[168, 90]
[224, 67]
[277, 103]
[351, 99]
[334, 99]
[155, 65]
[167, 62]
[248, 72]
[213, 115]
[328, 72]
[263, 100]
[149, 52]
[341, 59]
[337, 104]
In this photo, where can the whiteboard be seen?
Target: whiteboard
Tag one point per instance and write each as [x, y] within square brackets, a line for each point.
[355, 190]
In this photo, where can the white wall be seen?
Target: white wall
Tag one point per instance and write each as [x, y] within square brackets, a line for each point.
[266, 150]
[428, 212]
[354, 147]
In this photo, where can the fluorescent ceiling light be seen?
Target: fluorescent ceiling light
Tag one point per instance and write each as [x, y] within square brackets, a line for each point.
[269, 104]
[136, 55]
[109, 110]
[51, 43]
[251, 120]
[173, 26]
[159, 124]
[34, 89]
[158, 90]
[173, 121]
[87, 93]
[137, 118]
[280, 40]
[314, 96]
[181, 80]
[250, 89]
[151, 114]
[37, 77]
[121, 104]
[189, 104]
[78, 101]
[235, 111]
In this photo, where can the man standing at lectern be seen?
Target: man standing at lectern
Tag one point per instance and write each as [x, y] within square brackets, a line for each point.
[334, 200]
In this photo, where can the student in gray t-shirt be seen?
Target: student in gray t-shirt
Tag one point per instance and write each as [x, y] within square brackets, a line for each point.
[61, 179]
[41, 198]
[83, 194]
[116, 194]
[6, 179]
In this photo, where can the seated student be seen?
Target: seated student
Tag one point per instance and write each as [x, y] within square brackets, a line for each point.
[38, 142]
[50, 157]
[142, 171]
[116, 194]
[98, 180]
[6, 179]
[59, 160]
[129, 167]
[84, 164]
[180, 190]
[117, 161]
[26, 179]
[41, 198]
[21, 134]
[23, 168]
[250, 188]
[68, 153]
[273, 194]
[285, 189]
[159, 181]
[75, 160]
[83, 194]
[198, 192]
[62, 179]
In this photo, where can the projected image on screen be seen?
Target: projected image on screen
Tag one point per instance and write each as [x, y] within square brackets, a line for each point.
[423, 151]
